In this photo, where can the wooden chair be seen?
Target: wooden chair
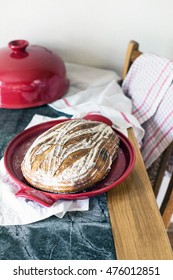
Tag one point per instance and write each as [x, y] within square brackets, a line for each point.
[160, 166]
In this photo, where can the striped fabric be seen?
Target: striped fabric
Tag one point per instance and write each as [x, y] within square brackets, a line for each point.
[149, 85]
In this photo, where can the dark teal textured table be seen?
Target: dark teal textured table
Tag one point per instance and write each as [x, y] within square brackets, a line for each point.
[77, 236]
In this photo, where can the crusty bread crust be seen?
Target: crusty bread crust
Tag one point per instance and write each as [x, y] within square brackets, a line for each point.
[71, 156]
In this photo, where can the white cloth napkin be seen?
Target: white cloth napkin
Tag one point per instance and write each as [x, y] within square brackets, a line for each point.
[91, 90]
[94, 90]
[149, 86]
[18, 210]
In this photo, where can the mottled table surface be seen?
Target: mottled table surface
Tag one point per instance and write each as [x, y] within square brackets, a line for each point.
[77, 236]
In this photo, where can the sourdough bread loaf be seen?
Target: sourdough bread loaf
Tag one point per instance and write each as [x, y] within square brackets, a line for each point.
[71, 156]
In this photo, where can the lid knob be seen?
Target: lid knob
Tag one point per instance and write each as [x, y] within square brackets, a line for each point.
[18, 46]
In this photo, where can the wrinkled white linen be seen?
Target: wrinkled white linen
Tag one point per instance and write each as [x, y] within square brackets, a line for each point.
[94, 90]
[91, 90]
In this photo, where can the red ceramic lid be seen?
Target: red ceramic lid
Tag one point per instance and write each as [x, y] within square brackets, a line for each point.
[30, 75]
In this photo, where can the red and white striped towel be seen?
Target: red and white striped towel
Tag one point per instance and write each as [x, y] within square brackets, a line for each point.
[149, 85]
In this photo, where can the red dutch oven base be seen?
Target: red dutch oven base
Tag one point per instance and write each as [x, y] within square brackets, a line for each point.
[15, 151]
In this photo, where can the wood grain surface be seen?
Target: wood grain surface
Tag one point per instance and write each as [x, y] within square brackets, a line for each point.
[137, 225]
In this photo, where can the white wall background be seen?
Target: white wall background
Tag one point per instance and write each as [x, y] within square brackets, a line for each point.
[92, 32]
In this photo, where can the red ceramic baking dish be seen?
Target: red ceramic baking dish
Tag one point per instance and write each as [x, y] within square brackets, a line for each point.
[30, 75]
[17, 148]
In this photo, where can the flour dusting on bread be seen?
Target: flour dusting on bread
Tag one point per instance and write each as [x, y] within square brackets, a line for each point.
[71, 156]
